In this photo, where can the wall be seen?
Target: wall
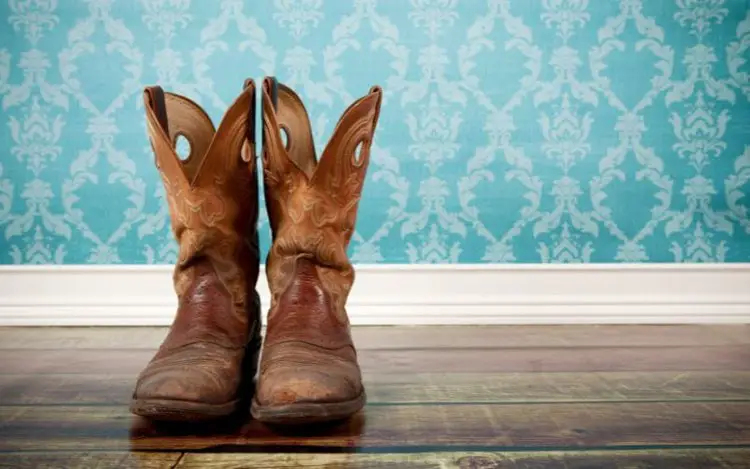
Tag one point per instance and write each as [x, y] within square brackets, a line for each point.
[512, 131]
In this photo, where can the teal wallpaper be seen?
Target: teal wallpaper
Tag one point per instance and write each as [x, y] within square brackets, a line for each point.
[511, 131]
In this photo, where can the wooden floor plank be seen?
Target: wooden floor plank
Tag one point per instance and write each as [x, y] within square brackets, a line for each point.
[558, 387]
[682, 391]
[640, 459]
[93, 389]
[439, 360]
[84, 460]
[671, 459]
[379, 337]
[491, 427]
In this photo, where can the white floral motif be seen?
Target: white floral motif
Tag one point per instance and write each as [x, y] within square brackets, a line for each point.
[434, 134]
[433, 192]
[37, 137]
[699, 248]
[631, 251]
[167, 253]
[34, 64]
[38, 252]
[698, 191]
[566, 191]
[631, 127]
[736, 56]
[34, 16]
[102, 129]
[700, 135]
[155, 222]
[653, 40]
[566, 14]
[699, 60]
[366, 252]
[433, 60]
[500, 252]
[299, 60]
[566, 135]
[566, 250]
[736, 190]
[386, 168]
[254, 39]
[6, 198]
[37, 194]
[164, 249]
[499, 128]
[699, 14]
[433, 249]
[565, 61]
[296, 14]
[433, 15]
[166, 17]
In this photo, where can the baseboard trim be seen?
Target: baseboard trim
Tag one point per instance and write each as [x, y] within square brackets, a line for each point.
[396, 294]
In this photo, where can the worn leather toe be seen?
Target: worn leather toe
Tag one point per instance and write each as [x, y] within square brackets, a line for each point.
[200, 373]
[302, 373]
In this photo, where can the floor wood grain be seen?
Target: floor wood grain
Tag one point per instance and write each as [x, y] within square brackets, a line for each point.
[631, 459]
[417, 426]
[414, 388]
[425, 360]
[541, 397]
[407, 337]
[683, 459]
[93, 460]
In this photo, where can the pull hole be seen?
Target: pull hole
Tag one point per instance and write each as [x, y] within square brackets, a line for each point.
[246, 153]
[357, 156]
[284, 134]
[182, 147]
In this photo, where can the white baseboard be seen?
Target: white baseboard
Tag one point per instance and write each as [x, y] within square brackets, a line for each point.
[409, 294]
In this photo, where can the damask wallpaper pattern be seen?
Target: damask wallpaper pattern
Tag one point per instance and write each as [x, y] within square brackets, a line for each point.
[511, 131]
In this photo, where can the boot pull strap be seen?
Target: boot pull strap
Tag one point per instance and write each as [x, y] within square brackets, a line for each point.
[156, 96]
[273, 92]
[251, 112]
[250, 132]
[156, 101]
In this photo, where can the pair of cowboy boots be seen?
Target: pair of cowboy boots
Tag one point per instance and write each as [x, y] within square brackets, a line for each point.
[207, 364]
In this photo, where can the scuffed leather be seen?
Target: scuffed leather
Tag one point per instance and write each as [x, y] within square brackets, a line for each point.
[213, 206]
[308, 355]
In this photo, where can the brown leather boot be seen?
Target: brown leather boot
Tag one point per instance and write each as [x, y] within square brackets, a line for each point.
[309, 370]
[205, 366]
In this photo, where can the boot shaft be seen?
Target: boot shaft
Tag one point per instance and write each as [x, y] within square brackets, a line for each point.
[213, 200]
[312, 204]
[324, 193]
[215, 186]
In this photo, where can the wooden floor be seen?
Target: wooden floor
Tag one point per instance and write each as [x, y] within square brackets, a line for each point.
[439, 397]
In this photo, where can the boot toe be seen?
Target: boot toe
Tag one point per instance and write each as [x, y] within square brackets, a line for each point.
[297, 386]
[190, 378]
